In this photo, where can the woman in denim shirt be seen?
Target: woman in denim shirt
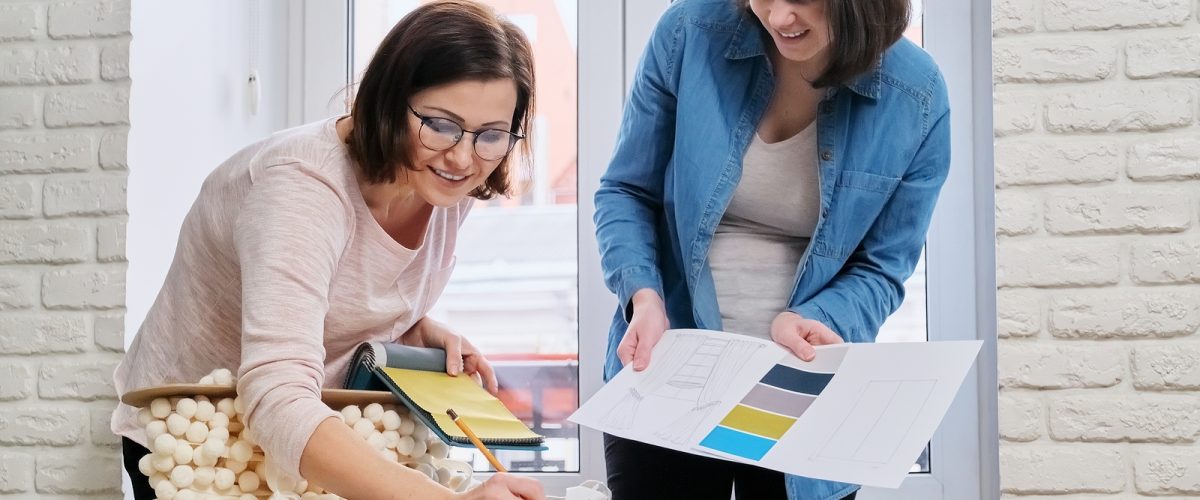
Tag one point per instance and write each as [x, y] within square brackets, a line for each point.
[776, 170]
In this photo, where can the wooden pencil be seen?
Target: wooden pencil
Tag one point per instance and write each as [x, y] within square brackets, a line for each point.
[475, 440]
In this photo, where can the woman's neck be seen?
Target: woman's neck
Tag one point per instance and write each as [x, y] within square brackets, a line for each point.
[787, 70]
[391, 204]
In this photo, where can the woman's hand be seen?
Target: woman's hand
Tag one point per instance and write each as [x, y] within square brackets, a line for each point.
[461, 355]
[646, 328]
[800, 334]
[505, 487]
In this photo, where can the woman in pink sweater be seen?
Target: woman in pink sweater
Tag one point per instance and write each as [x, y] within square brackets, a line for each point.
[318, 238]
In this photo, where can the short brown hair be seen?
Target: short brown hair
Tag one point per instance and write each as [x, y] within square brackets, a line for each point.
[437, 43]
[859, 31]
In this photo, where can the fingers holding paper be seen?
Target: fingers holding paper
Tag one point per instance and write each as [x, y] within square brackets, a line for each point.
[506, 487]
[799, 334]
[646, 328]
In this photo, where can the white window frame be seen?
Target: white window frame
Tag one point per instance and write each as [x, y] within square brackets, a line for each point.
[319, 67]
[960, 247]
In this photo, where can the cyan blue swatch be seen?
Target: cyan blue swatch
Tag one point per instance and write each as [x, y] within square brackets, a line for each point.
[737, 443]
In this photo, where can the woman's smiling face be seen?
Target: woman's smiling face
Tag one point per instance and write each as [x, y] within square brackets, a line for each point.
[444, 178]
[798, 27]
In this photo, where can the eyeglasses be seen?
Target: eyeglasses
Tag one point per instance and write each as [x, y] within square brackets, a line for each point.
[440, 134]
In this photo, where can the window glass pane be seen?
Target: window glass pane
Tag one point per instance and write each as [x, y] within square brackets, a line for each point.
[910, 322]
[514, 288]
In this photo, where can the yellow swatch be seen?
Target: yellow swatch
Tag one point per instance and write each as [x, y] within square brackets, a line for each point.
[435, 392]
[758, 422]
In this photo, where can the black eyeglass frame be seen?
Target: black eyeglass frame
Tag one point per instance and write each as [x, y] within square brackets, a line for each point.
[425, 120]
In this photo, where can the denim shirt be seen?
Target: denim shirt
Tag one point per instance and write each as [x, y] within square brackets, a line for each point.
[701, 88]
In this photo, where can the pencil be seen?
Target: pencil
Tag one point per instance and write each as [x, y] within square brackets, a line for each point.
[475, 440]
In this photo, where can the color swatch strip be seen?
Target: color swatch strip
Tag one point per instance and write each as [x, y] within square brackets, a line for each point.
[776, 400]
[766, 413]
[788, 378]
[737, 443]
[758, 422]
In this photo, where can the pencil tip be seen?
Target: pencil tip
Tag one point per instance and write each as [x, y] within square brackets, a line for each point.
[453, 415]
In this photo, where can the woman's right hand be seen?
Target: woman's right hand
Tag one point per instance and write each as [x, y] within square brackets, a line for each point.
[646, 328]
[505, 487]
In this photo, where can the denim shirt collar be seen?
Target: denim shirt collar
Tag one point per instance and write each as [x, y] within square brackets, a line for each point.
[747, 42]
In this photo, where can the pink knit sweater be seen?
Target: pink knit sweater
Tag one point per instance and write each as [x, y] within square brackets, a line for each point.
[280, 272]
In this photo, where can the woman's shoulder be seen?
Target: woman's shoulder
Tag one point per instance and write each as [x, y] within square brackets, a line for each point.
[909, 67]
[313, 148]
[314, 144]
[712, 15]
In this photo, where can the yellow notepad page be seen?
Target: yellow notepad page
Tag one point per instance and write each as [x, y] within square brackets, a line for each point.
[487, 417]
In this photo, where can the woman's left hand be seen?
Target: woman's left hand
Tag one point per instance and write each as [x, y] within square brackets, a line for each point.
[799, 334]
[461, 355]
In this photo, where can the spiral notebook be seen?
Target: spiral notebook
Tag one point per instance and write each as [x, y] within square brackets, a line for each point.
[417, 376]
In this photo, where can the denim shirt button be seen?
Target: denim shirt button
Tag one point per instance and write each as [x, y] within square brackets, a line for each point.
[827, 155]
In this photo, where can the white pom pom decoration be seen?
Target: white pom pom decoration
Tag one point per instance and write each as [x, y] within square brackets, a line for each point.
[186, 408]
[222, 376]
[160, 408]
[224, 479]
[364, 428]
[162, 463]
[154, 429]
[204, 476]
[225, 406]
[351, 414]
[240, 451]
[373, 412]
[407, 426]
[177, 425]
[182, 476]
[197, 432]
[164, 445]
[235, 466]
[183, 453]
[145, 466]
[205, 411]
[164, 490]
[248, 481]
[219, 434]
[201, 449]
[390, 420]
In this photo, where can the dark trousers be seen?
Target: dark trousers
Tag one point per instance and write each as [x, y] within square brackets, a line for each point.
[131, 452]
[639, 471]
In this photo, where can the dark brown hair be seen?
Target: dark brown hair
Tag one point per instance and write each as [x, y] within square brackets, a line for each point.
[859, 31]
[438, 43]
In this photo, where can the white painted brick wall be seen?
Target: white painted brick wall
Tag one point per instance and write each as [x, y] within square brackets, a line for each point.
[1097, 156]
[64, 107]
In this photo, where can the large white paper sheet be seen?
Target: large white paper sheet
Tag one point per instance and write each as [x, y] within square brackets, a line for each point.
[858, 413]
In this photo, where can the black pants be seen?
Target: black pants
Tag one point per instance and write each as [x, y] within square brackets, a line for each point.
[639, 471]
[131, 452]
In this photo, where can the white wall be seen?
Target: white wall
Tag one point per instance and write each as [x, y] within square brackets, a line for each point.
[189, 109]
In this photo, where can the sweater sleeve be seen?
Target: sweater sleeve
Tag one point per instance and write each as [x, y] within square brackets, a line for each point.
[289, 235]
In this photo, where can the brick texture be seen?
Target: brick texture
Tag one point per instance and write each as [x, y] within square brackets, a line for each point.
[1097, 157]
[64, 124]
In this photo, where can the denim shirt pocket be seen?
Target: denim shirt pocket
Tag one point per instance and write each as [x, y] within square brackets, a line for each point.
[857, 199]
